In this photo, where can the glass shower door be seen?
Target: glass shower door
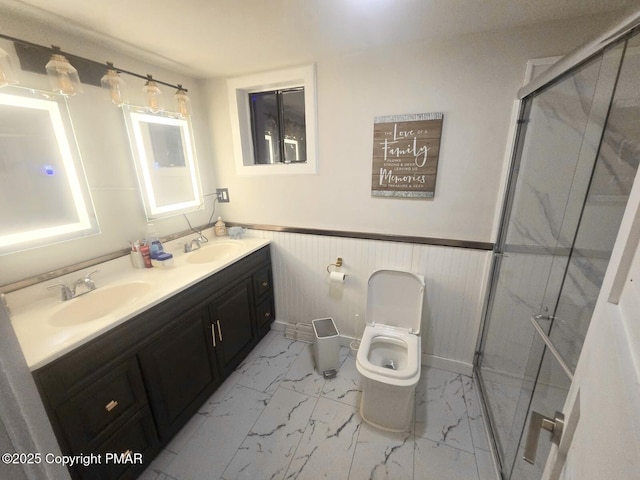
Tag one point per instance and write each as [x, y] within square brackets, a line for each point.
[609, 187]
[558, 140]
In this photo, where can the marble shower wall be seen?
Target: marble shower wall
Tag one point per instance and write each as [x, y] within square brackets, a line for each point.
[526, 281]
[551, 183]
[455, 287]
[519, 293]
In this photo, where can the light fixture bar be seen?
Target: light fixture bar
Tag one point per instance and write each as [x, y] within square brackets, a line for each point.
[145, 77]
[71, 57]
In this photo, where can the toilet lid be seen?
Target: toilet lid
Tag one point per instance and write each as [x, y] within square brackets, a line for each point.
[395, 298]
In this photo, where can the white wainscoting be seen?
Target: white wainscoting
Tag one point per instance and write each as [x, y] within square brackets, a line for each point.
[456, 280]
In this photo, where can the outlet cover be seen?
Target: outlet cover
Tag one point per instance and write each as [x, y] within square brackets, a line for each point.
[223, 195]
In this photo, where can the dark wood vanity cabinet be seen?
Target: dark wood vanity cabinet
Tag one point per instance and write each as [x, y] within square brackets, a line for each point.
[130, 390]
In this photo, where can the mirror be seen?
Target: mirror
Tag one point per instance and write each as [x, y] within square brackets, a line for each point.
[165, 158]
[43, 189]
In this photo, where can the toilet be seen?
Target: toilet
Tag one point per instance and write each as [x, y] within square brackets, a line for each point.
[388, 359]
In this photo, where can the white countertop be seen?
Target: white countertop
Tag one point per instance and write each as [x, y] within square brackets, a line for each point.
[34, 307]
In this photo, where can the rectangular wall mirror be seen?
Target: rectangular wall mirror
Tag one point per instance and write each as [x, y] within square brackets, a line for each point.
[165, 159]
[44, 196]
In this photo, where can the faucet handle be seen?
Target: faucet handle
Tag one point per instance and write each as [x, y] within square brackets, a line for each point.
[88, 281]
[188, 246]
[89, 275]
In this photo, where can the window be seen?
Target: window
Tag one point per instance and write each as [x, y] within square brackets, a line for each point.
[274, 122]
[278, 126]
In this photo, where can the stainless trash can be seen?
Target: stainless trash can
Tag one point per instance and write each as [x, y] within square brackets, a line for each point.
[326, 346]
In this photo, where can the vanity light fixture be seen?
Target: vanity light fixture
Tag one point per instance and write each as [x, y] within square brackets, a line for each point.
[7, 74]
[63, 77]
[115, 85]
[183, 103]
[154, 95]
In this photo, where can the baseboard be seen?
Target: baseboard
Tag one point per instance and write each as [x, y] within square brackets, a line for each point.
[447, 364]
[278, 326]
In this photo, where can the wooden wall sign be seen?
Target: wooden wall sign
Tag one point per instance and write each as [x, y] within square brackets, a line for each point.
[405, 155]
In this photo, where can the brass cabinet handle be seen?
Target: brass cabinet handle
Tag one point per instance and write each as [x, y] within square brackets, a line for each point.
[213, 334]
[111, 405]
[267, 314]
[265, 284]
[219, 330]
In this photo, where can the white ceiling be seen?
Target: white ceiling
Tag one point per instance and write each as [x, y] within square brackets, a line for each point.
[211, 38]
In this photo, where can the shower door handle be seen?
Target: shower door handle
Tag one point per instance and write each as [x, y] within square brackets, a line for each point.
[536, 423]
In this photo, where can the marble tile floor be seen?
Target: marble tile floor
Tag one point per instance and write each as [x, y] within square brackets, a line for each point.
[276, 418]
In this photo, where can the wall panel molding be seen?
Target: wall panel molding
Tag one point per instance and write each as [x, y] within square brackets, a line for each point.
[455, 286]
[443, 242]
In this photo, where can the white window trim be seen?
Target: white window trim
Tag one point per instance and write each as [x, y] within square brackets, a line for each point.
[239, 89]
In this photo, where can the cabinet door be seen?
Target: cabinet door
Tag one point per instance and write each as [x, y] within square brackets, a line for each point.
[180, 371]
[232, 326]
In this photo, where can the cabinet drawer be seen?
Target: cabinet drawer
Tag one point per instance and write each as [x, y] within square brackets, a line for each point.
[262, 283]
[126, 453]
[265, 312]
[113, 398]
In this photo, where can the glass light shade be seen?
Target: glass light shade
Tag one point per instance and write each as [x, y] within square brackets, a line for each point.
[63, 76]
[154, 96]
[113, 83]
[183, 103]
[7, 73]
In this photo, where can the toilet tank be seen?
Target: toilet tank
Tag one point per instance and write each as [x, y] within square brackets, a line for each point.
[395, 298]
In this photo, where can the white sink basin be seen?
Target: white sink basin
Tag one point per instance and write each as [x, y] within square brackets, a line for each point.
[98, 303]
[213, 252]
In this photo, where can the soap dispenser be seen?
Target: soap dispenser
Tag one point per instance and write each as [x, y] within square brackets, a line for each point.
[220, 228]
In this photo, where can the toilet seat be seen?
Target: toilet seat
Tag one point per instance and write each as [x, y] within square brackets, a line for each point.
[394, 299]
[409, 375]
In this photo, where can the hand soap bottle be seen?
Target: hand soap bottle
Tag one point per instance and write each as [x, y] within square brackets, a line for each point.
[220, 228]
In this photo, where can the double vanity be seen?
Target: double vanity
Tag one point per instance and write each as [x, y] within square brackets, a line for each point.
[122, 368]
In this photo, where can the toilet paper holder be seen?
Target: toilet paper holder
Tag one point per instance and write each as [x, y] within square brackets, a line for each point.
[338, 264]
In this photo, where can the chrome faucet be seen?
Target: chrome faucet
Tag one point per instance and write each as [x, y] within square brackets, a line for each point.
[195, 244]
[70, 292]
